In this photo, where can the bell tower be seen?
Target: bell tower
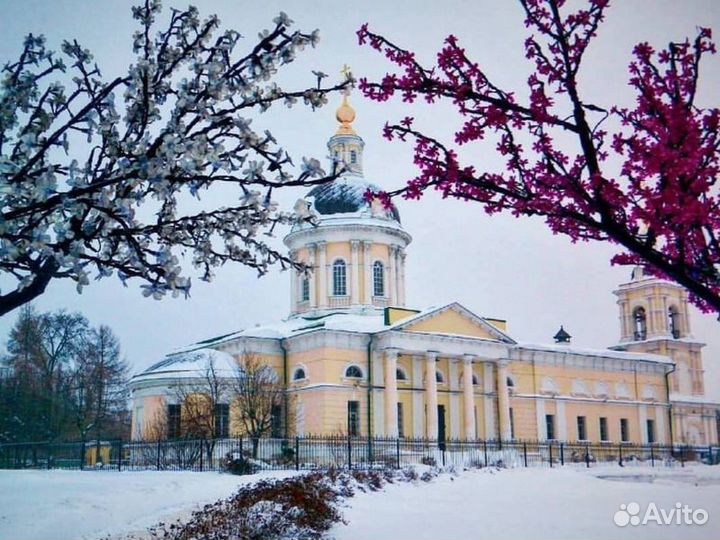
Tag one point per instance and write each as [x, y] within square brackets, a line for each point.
[654, 318]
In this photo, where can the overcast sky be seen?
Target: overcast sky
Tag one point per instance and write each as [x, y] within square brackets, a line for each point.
[497, 267]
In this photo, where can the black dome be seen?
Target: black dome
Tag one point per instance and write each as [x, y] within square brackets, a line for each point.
[345, 196]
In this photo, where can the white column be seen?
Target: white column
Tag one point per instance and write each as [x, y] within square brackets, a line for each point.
[378, 396]
[431, 393]
[391, 393]
[392, 293]
[367, 265]
[418, 398]
[322, 275]
[313, 276]
[454, 401]
[503, 400]
[401, 279]
[355, 271]
[294, 296]
[490, 432]
[468, 399]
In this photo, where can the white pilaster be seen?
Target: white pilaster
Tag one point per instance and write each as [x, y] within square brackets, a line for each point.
[391, 393]
[378, 396]
[401, 279]
[367, 266]
[392, 269]
[642, 419]
[540, 419]
[312, 277]
[488, 377]
[468, 399]
[431, 393]
[560, 420]
[355, 272]
[660, 423]
[322, 274]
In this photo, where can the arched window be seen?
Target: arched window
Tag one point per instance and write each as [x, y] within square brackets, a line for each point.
[353, 156]
[378, 279]
[510, 382]
[674, 321]
[305, 289]
[299, 374]
[339, 278]
[475, 380]
[640, 324]
[400, 374]
[439, 377]
[353, 372]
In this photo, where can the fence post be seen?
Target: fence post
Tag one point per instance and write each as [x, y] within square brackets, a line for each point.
[397, 451]
[652, 456]
[82, 455]
[562, 454]
[158, 455]
[485, 452]
[202, 451]
[682, 456]
[525, 452]
[49, 456]
[587, 455]
[297, 453]
[620, 460]
[349, 452]
[443, 454]
[120, 451]
[550, 453]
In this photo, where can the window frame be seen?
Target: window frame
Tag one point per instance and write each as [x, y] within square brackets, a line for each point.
[339, 278]
[581, 425]
[221, 420]
[378, 267]
[354, 377]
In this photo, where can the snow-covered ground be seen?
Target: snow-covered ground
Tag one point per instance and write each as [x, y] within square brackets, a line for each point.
[535, 503]
[60, 505]
[554, 503]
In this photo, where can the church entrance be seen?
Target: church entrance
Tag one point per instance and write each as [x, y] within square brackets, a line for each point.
[441, 427]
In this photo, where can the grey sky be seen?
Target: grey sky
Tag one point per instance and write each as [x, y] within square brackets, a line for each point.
[499, 266]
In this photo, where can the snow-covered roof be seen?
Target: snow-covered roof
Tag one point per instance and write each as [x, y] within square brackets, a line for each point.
[345, 195]
[604, 353]
[190, 363]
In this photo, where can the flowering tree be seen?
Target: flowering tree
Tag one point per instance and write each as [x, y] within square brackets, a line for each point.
[176, 124]
[643, 177]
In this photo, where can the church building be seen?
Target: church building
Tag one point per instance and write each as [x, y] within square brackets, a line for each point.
[356, 359]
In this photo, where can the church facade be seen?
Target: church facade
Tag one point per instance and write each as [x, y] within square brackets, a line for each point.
[357, 361]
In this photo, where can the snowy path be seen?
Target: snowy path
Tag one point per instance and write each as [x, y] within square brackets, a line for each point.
[60, 505]
[534, 503]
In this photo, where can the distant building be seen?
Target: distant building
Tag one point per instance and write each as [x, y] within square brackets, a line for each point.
[358, 361]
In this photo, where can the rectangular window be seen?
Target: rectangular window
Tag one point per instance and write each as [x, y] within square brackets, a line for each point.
[512, 424]
[222, 420]
[624, 430]
[174, 414]
[581, 429]
[339, 279]
[354, 418]
[651, 431]
[550, 425]
[401, 429]
[276, 421]
[305, 290]
[603, 429]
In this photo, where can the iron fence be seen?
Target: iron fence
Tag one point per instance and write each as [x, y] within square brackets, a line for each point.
[308, 453]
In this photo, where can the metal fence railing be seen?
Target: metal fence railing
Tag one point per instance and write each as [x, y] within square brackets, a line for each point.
[306, 453]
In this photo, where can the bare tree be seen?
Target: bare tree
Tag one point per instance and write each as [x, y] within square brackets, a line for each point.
[202, 402]
[260, 396]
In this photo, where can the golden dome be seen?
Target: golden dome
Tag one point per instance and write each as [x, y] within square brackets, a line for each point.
[345, 114]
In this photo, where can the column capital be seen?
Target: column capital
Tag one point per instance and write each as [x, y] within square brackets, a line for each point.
[322, 245]
[367, 244]
[355, 244]
[468, 358]
[502, 363]
[311, 247]
[431, 356]
[391, 354]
